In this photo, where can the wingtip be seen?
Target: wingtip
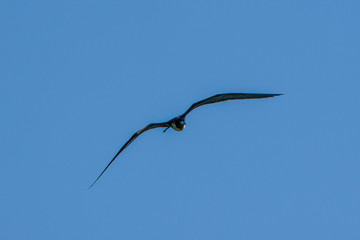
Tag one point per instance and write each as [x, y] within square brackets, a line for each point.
[95, 181]
[91, 186]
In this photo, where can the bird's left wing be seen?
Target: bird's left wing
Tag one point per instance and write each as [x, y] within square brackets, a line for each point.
[148, 127]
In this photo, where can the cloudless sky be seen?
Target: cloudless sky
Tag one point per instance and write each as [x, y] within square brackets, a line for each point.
[78, 78]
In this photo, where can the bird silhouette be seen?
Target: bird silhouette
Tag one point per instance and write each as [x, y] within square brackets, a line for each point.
[178, 123]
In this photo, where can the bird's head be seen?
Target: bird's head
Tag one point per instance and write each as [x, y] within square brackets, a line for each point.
[178, 124]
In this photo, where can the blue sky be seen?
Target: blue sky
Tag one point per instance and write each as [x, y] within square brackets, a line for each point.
[78, 78]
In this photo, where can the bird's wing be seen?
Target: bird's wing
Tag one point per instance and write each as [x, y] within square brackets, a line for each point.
[148, 127]
[228, 96]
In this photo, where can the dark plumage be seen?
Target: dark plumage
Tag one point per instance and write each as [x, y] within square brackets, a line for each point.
[178, 123]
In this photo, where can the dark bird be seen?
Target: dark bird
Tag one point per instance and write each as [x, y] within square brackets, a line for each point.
[178, 123]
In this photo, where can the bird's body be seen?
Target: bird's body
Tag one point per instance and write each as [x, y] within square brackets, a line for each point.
[178, 123]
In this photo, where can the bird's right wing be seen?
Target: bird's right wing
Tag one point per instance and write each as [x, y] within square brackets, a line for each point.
[226, 97]
[138, 133]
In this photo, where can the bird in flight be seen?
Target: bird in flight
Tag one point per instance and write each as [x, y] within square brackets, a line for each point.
[178, 123]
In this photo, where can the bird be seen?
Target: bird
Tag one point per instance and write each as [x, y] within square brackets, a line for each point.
[178, 123]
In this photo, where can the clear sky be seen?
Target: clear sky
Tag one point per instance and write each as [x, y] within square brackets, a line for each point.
[78, 78]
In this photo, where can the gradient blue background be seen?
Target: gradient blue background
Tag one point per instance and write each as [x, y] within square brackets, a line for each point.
[78, 78]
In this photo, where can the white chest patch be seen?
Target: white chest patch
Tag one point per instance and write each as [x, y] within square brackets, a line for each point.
[176, 128]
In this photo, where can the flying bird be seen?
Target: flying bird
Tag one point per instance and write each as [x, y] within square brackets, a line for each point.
[178, 123]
